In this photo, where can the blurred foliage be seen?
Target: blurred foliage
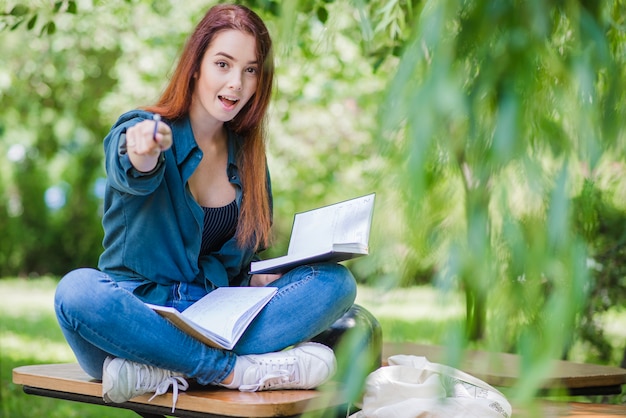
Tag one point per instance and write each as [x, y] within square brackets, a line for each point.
[505, 117]
[490, 130]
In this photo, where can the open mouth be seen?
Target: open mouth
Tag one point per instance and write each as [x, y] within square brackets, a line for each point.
[228, 101]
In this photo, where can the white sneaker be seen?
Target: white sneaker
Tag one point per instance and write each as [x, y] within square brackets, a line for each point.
[125, 379]
[306, 366]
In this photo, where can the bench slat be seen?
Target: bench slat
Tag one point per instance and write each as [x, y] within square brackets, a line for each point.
[503, 369]
[552, 409]
[211, 400]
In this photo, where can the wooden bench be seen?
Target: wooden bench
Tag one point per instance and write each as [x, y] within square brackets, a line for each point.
[69, 382]
[503, 370]
[545, 409]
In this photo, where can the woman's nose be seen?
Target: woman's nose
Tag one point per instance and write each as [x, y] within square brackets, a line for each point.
[235, 82]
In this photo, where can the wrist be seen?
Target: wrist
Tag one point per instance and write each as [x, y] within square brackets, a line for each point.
[146, 163]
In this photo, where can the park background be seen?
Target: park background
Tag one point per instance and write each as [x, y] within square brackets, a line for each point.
[490, 130]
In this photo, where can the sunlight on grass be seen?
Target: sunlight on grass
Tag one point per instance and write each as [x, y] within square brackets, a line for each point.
[30, 303]
[27, 297]
[415, 314]
[19, 348]
[415, 303]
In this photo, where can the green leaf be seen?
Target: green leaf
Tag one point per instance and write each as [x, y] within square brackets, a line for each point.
[49, 28]
[16, 24]
[19, 10]
[32, 21]
[57, 6]
[71, 7]
[322, 14]
[274, 8]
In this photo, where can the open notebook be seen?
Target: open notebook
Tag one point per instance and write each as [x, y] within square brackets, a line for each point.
[331, 233]
[220, 318]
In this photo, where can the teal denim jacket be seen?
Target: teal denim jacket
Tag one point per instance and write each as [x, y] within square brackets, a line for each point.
[153, 225]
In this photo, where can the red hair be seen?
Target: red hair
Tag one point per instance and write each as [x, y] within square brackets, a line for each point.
[255, 217]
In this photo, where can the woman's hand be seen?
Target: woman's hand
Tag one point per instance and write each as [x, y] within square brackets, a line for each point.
[145, 141]
[259, 280]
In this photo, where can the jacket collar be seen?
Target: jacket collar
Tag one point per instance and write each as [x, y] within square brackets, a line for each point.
[186, 143]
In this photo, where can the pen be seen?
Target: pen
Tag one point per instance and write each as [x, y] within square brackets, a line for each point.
[156, 117]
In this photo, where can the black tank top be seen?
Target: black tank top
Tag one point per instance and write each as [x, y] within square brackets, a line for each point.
[220, 225]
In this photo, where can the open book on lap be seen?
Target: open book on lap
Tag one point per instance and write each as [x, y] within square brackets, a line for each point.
[331, 233]
[220, 318]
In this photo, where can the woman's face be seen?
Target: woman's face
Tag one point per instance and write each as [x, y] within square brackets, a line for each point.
[228, 76]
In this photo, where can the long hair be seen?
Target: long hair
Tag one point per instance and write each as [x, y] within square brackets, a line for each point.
[254, 224]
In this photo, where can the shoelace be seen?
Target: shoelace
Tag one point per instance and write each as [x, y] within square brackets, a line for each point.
[272, 373]
[159, 381]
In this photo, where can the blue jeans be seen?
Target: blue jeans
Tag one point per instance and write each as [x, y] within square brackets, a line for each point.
[100, 317]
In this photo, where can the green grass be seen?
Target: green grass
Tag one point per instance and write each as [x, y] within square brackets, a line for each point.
[417, 314]
[29, 334]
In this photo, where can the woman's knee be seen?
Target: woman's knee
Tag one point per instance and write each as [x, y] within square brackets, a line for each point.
[349, 284]
[342, 283]
[74, 288]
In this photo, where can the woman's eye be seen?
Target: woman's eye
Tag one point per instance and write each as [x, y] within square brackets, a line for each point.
[251, 70]
[221, 64]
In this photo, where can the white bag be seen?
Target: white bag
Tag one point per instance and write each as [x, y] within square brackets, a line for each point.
[413, 387]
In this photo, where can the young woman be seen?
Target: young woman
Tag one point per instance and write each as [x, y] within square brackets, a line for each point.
[187, 207]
